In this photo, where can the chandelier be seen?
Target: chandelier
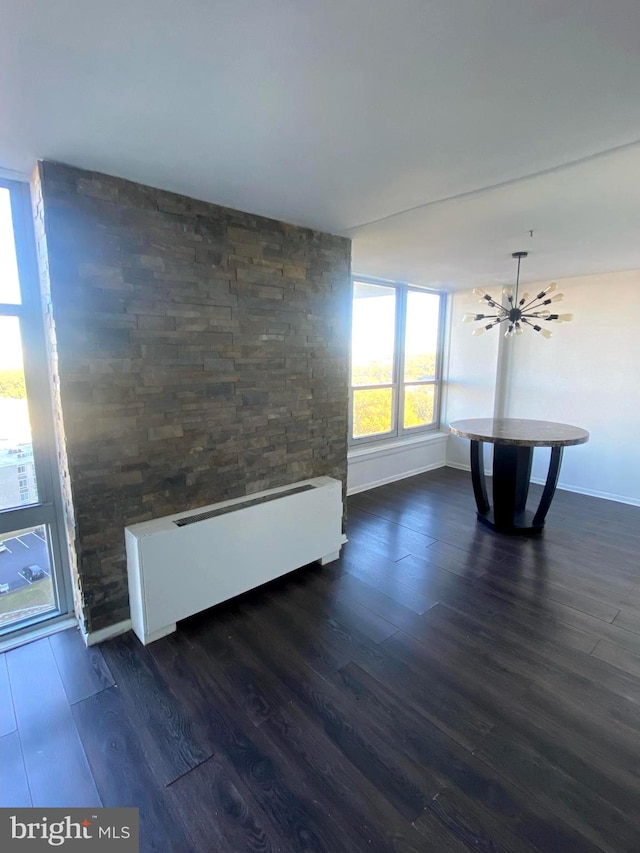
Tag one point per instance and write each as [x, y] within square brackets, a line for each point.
[520, 312]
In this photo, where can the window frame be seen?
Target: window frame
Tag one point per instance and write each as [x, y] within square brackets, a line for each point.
[398, 431]
[48, 509]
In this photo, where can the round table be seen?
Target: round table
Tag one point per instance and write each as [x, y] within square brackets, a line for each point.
[514, 440]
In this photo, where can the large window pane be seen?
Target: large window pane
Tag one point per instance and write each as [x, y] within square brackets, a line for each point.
[9, 284]
[396, 345]
[372, 411]
[17, 472]
[373, 334]
[32, 585]
[421, 336]
[419, 401]
[26, 586]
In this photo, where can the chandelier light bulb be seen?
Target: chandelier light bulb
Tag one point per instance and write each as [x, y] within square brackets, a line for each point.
[565, 318]
[469, 318]
[479, 291]
[479, 331]
[553, 286]
[507, 291]
[546, 333]
[524, 298]
[558, 297]
[519, 329]
[542, 314]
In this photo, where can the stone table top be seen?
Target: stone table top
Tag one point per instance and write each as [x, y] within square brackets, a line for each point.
[519, 431]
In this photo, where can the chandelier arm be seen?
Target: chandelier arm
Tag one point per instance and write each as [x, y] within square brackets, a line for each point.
[536, 327]
[531, 304]
[537, 298]
[496, 322]
[530, 312]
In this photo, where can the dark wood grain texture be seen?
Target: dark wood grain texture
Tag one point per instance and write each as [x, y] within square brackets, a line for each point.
[123, 774]
[280, 798]
[170, 741]
[222, 815]
[439, 688]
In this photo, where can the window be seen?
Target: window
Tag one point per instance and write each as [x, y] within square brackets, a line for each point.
[395, 360]
[30, 520]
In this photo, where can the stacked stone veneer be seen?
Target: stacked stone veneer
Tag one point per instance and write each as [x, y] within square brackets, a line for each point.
[202, 354]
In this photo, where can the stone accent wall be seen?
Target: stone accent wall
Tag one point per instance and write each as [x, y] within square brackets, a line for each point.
[202, 354]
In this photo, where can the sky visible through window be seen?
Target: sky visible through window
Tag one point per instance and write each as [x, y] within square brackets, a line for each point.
[15, 429]
[10, 349]
[374, 329]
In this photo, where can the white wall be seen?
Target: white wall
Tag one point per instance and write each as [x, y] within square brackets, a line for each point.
[588, 374]
[471, 374]
[371, 466]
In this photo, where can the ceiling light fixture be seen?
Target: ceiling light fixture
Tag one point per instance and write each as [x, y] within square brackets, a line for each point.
[520, 312]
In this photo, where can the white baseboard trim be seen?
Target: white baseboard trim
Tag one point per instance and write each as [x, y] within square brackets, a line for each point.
[94, 637]
[592, 493]
[393, 479]
[464, 466]
[564, 487]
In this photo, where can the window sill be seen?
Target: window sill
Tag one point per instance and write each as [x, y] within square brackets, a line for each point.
[396, 445]
[37, 631]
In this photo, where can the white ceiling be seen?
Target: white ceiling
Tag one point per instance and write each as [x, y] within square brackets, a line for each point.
[342, 112]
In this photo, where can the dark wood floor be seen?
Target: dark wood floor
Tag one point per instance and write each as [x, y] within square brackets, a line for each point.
[440, 688]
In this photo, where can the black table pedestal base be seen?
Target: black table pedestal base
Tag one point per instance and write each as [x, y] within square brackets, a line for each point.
[522, 524]
[511, 475]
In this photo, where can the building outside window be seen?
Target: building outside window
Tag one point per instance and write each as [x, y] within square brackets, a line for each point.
[14, 479]
[396, 349]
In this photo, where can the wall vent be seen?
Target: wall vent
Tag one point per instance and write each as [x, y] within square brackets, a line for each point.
[174, 573]
[213, 513]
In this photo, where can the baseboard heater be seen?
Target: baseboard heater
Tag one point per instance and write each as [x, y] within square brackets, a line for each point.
[185, 563]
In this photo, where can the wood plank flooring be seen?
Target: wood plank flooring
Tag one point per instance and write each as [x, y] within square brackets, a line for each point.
[439, 688]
